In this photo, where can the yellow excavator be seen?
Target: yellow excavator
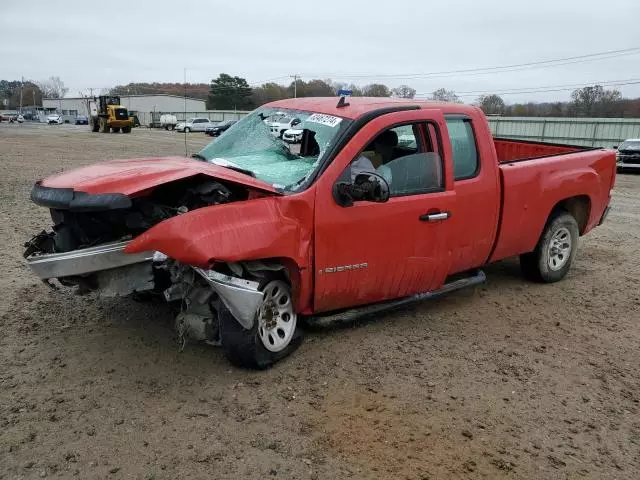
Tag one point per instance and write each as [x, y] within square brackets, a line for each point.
[106, 114]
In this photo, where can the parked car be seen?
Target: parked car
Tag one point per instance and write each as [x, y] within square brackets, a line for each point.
[628, 156]
[82, 120]
[248, 237]
[194, 125]
[293, 135]
[216, 130]
[11, 118]
[283, 124]
[55, 119]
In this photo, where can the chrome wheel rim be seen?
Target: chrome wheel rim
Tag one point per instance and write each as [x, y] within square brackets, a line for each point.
[559, 249]
[276, 317]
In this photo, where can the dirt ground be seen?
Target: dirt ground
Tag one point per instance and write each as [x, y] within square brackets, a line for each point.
[510, 380]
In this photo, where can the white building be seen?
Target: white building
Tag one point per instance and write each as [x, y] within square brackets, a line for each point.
[144, 105]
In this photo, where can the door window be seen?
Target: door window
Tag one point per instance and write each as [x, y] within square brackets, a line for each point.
[404, 157]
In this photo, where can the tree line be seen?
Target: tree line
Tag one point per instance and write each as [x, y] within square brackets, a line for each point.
[32, 92]
[229, 92]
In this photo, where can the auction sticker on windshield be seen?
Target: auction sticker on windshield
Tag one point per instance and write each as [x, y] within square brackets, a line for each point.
[322, 119]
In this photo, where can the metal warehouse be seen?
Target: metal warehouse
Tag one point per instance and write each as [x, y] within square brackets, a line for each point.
[144, 105]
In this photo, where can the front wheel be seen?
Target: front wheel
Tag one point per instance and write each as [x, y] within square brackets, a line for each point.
[187, 129]
[556, 249]
[273, 336]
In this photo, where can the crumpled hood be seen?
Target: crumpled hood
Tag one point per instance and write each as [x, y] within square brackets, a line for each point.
[129, 177]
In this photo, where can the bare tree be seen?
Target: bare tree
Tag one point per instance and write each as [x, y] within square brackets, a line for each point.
[403, 91]
[376, 90]
[491, 104]
[594, 101]
[444, 95]
[53, 88]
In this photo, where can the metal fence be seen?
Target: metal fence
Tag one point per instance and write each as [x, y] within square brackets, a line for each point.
[590, 132]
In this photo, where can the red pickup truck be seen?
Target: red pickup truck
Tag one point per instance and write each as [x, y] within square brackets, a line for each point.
[382, 202]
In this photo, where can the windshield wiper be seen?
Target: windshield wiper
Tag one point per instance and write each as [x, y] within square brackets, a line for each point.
[239, 169]
[231, 166]
[198, 156]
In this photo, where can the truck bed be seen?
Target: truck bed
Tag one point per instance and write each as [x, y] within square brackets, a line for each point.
[510, 150]
[532, 187]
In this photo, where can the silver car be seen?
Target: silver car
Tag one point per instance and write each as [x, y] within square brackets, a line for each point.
[628, 156]
[198, 124]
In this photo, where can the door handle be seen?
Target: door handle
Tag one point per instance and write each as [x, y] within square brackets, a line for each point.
[434, 217]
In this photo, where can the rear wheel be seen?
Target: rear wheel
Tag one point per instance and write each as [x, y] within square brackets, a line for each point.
[126, 129]
[95, 126]
[187, 129]
[556, 249]
[273, 336]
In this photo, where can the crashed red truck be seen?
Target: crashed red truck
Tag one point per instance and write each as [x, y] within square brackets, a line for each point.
[383, 202]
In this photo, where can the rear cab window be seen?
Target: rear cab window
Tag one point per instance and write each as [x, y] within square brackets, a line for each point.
[463, 145]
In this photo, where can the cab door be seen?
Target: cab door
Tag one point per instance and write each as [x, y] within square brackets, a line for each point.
[371, 252]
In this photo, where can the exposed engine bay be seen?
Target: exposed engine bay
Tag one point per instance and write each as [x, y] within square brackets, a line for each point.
[85, 228]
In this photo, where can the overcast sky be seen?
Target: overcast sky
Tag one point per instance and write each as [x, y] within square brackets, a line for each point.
[97, 44]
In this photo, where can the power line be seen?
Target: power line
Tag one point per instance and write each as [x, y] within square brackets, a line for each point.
[499, 69]
[523, 89]
[541, 89]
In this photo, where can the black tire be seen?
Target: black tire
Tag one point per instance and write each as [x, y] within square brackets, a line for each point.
[115, 129]
[244, 347]
[172, 127]
[536, 265]
[126, 129]
[104, 126]
[95, 127]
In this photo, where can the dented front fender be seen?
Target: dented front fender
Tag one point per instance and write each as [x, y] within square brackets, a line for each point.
[254, 229]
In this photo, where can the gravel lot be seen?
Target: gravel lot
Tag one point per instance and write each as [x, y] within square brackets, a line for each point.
[510, 380]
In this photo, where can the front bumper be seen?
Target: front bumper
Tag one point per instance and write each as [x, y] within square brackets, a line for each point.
[622, 164]
[120, 123]
[84, 260]
[242, 297]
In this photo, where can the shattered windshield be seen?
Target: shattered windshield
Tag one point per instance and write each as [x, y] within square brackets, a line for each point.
[253, 147]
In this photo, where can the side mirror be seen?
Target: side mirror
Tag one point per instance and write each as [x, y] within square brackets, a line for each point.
[367, 187]
[615, 147]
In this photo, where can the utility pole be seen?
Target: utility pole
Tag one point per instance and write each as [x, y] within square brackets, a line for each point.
[21, 88]
[295, 85]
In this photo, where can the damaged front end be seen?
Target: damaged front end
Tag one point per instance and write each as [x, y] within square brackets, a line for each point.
[86, 245]
[86, 250]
